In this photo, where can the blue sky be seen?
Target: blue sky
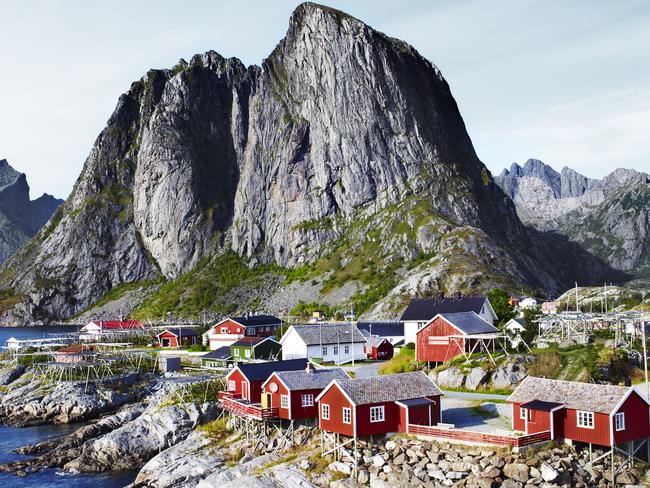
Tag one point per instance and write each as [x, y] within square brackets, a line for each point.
[567, 82]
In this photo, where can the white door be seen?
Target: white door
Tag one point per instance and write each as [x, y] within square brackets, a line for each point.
[244, 390]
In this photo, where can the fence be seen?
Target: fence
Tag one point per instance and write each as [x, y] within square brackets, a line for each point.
[479, 437]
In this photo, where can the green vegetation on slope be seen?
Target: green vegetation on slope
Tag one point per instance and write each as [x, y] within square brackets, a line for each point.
[206, 287]
[402, 362]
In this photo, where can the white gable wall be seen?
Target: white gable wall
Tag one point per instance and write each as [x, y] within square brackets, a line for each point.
[293, 347]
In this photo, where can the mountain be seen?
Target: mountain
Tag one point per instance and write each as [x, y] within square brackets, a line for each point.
[340, 171]
[20, 217]
[610, 217]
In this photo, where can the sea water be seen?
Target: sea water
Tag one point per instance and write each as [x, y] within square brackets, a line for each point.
[12, 438]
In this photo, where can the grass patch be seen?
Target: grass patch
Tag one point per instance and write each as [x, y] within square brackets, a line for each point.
[217, 430]
[402, 363]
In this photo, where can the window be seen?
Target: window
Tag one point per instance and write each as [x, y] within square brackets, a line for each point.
[585, 419]
[324, 351]
[224, 330]
[237, 352]
[247, 353]
[346, 349]
[377, 414]
[347, 415]
[421, 324]
[232, 386]
[619, 421]
[523, 413]
[284, 401]
[336, 350]
[307, 400]
[325, 411]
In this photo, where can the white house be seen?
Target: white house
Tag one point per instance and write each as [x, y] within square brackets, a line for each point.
[527, 302]
[336, 343]
[421, 310]
[515, 326]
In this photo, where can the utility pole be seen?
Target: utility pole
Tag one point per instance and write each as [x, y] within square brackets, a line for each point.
[577, 310]
[352, 341]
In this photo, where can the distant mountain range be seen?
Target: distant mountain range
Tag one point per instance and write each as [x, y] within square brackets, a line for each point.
[339, 171]
[20, 217]
[610, 217]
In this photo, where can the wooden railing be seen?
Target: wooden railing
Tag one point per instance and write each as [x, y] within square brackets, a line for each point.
[242, 409]
[226, 394]
[479, 437]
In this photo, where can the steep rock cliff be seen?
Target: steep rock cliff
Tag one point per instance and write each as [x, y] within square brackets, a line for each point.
[344, 152]
[609, 218]
[20, 217]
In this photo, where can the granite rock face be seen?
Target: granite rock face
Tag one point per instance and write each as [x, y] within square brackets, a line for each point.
[340, 125]
[20, 217]
[610, 218]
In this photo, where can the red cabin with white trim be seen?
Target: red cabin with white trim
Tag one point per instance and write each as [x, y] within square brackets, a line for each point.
[379, 405]
[294, 393]
[230, 330]
[452, 334]
[245, 380]
[379, 348]
[605, 415]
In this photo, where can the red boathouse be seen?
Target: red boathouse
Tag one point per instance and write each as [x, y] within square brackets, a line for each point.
[605, 415]
[177, 337]
[294, 393]
[379, 348]
[453, 334]
[379, 405]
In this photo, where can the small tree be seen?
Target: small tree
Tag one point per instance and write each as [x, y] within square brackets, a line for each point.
[504, 310]
[530, 315]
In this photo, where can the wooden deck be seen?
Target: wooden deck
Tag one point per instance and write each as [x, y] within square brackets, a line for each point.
[479, 437]
[243, 408]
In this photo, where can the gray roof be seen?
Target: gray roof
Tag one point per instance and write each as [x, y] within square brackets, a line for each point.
[374, 341]
[389, 388]
[383, 328]
[313, 334]
[316, 379]
[222, 352]
[427, 308]
[589, 397]
[470, 323]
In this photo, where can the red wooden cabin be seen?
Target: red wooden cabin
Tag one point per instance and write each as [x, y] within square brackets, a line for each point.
[379, 348]
[294, 393]
[379, 405]
[451, 334]
[230, 330]
[245, 381]
[177, 336]
[605, 415]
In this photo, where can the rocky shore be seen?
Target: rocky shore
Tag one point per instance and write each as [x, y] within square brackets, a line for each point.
[141, 422]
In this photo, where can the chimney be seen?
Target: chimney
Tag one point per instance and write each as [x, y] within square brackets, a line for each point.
[309, 368]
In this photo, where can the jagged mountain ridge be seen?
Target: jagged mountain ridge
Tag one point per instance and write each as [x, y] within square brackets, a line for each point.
[344, 142]
[20, 217]
[608, 217]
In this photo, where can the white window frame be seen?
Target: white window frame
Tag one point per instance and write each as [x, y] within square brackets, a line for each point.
[619, 421]
[523, 414]
[585, 420]
[307, 400]
[232, 385]
[336, 350]
[347, 415]
[284, 401]
[236, 352]
[324, 351]
[325, 411]
[224, 330]
[247, 353]
[377, 414]
[346, 349]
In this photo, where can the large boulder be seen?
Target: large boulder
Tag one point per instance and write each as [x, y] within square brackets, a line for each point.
[517, 471]
[451, 378]
[9, 375]
[508, 376]
[477, 377]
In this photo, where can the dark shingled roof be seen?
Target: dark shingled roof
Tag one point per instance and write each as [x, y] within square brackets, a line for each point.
[383, 329]
[416, 402]
[427, 308]
[311, 334]
[222, 352]
[250, 341]
[541, 406]
[470, 323]
[261, 371]
[316, 379]
[589, 397]
[389, 388]
[257, 320]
